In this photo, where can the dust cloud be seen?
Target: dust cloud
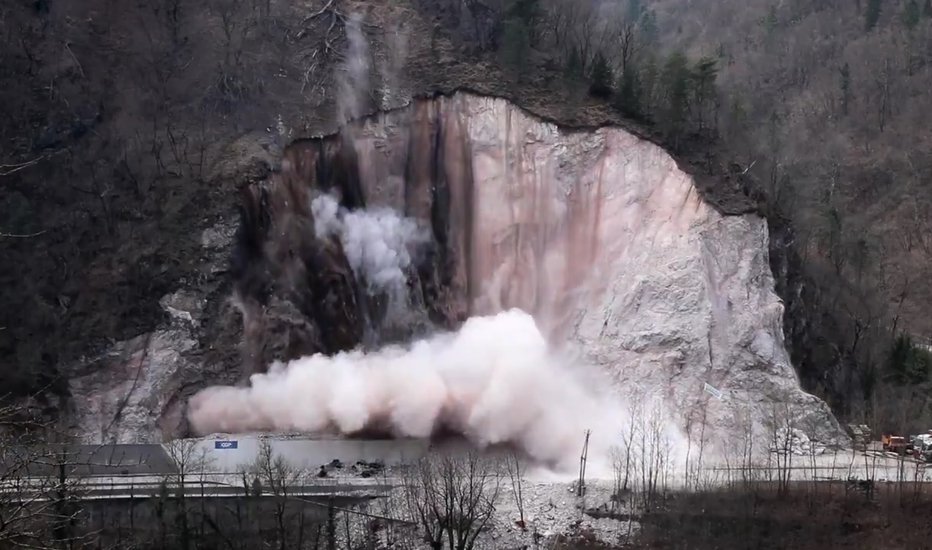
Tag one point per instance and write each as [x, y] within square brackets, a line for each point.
[378, 241]
[495, 380]
[353, 79]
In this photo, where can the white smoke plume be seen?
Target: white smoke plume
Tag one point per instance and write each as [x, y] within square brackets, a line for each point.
[377, 241]
[494, 381]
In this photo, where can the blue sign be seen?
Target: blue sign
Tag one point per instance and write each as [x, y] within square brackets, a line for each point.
[226, 444]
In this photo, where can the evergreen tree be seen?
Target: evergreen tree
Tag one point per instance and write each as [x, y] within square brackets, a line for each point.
[600, 77]
[648, 24]
[774, 125]
[628, 99]
[574, 65]
[872, 14]
[706, 71]
[528, 13]
[836, 233]
[526, 10]
[675, 84]
[737, 115]
[703, 75]
[911, 14]
[845, 88]
[907, 363]
[647, 81]
[770, 21]
[516, 45]
[635, 10]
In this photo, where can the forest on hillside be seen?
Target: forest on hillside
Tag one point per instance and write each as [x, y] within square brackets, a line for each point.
[128, 128]
[826, 106]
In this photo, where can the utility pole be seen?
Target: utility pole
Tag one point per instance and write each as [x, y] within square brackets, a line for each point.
[581, 485]
[331, 526]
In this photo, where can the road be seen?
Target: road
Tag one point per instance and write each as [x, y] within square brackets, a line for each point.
[841, 465]
[838, 465]
[207, 485]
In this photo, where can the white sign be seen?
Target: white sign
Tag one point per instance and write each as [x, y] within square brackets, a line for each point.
[712, 391]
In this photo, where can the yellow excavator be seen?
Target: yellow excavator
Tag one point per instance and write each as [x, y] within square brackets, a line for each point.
[894, 443]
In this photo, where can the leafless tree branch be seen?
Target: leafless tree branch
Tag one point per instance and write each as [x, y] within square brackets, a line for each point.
[7, 169]
[21, 235]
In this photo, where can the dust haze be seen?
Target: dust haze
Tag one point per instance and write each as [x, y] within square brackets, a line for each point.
[495, 381]
[379, 243]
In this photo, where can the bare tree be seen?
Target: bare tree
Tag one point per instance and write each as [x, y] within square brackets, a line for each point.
[8, 169]
[40, 483]
[277, 478]
[585, 29]
[624, 456]
[190, 460]
[693, 466]
[642, 463]
[516, 475]
[402, 533]
[653, 459]
[20, 506]
[453, 498]
[628, 44]
[782, 430]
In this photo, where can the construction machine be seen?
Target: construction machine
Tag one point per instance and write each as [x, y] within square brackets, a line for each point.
[922, 447]
[894, 443]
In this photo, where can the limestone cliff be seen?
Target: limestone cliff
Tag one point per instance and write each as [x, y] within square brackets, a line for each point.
[598, 233]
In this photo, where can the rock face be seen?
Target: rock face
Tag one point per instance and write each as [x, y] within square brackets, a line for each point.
[597, 233]
[136, 391]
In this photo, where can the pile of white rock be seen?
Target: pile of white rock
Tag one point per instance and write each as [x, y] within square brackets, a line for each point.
[795, 441]
[554, 512]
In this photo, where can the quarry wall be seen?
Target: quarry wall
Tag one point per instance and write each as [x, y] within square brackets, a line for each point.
[597, 233]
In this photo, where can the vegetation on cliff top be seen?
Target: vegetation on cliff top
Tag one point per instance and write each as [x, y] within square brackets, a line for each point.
[824, 105]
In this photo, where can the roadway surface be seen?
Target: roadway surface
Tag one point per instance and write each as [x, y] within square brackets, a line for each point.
[207, 485]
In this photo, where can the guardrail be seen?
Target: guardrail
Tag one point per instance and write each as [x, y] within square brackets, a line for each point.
[195, 485]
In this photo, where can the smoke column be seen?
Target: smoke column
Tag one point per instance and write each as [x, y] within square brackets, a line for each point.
[494, 381]
[377, 241]
[353, 81]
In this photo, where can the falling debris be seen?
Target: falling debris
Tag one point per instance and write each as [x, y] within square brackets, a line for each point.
[494, 381]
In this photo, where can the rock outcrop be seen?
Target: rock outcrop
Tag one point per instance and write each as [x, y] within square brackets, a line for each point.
[597, 233]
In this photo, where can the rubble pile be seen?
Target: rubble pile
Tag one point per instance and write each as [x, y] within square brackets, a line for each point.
[553, 512]
[362, 469]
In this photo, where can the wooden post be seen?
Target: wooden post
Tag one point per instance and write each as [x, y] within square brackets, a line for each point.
[581, 486]
[331, 526]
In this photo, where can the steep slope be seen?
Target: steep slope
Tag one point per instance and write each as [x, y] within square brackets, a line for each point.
[597, 233]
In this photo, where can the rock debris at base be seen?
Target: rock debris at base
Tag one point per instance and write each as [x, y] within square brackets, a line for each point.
[552, 512]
